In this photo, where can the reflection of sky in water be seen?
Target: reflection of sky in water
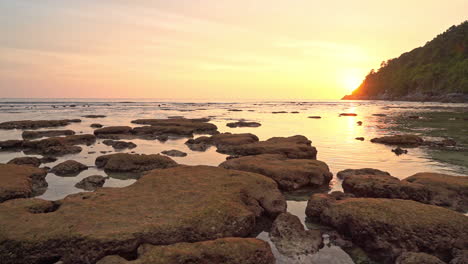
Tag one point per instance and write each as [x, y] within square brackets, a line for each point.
[333, 136]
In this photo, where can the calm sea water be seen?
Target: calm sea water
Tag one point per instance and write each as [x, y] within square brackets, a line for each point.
[332, 135]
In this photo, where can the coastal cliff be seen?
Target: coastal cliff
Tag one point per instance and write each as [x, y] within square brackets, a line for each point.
[438, 71]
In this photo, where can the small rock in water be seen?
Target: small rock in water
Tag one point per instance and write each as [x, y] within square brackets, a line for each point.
[399, 151]
[243, 124]
[279, 112]
[119, 144]
[91, 183]
[68, 168]
[315, 117]
[94, 116]
[359, 123]
[379, 115]
[348, 114]
[295, 112]
[360, 138]
[174, 153]
[96, 125]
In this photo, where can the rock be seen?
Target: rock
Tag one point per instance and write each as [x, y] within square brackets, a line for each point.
[219, 140]
[295, 147]
[29, 124]
[459, 256]
[28, 161]
[290, 237]
[57, 146]
[290, 174]
[112, 131]
[279, 112]
[389, 227]
[295, 112]
[365, 171]
[123, 162]
[399, 140]
[315, 117]
[234, 110]
[21, 182]
[447, 190]
[348, 114]
[11, 144]
[223, 250]
[243, 124]
[91, 183]
[46, 133]
[182, 204]
[381, 115]
[174, 153]
[196, 126]
[96, 125]
[360, 138]
[417, 258]
[119, 144]
[94, 116]
[68, 168]
[399, 151]
[384, 186]
[359, 123]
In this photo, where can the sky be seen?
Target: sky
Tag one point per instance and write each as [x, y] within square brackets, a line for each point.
[208, 49]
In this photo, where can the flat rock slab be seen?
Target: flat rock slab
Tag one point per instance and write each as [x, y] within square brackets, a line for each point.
[243, 124]
[174, 153]
[295, 147]
[290, 174]
[69, 168]
[35, 124]
[124, 162]
[21, 181]
[364, 171]
[31, 134]
[196, 126]
[91, 183]
[389, 227]
[399, 140]
[182, 204]
[220, 140]
[119, 144]
[223, 250]
[430, 188]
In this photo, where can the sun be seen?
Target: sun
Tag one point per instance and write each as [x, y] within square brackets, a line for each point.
[351, 82]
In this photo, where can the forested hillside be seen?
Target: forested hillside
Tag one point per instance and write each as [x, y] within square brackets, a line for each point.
[438, 71]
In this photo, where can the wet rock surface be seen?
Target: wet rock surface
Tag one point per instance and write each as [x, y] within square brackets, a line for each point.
[223, 250]
[119, 144]
[112, 131]
[96, 125]
[94, 116]
[174, 153]
[290, 174]
[430, 188]
[220, 140]
[21, 181]
[28, 161]
[180, 125]
[35, 124]
[68, 168]
[31, 134]
[365, 171]
[290, 237]
[123, 162]
[182, 204]
[399, 140]
[388, 227]
[243, 124]
[91, 183]
[295, 147]
[58, 146]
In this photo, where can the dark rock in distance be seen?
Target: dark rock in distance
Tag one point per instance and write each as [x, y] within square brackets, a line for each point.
[243, 124]
[31, 134]
[174, 153]
[119, 144]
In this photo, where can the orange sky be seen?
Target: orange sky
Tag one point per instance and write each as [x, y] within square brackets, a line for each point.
[208, 49]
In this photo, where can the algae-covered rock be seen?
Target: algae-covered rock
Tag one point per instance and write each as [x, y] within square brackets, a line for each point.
[91, 183]
[124, 162]
[295, 147]
[167, 206]
[290, 174]
[68, 168]
[417, 258]
[243, 124]
[35, 124]
[220, 140]
[180, 125]
[21, 181]
[28, 161]
[33, 134]
[223, 250]
[365, 171]
[389, 227]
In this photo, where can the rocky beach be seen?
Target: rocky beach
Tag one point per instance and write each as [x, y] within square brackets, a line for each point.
[170, 182]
